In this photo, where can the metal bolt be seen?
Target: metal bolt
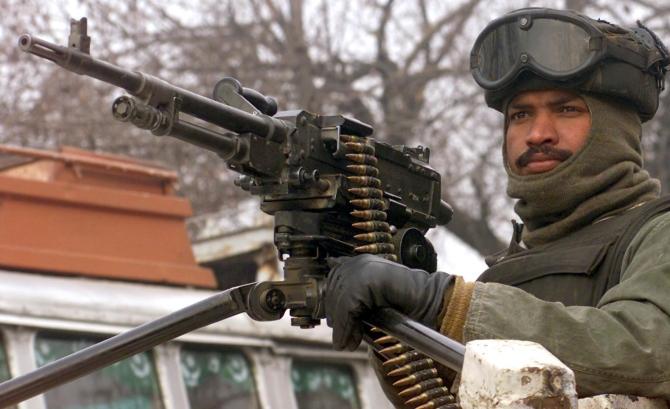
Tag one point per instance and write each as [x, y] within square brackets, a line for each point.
[418, 252]
[524, 58]
[122, 108]
[524, 23]
[275, 300]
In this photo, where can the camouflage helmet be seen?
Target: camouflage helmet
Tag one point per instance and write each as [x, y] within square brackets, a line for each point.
[539, 48]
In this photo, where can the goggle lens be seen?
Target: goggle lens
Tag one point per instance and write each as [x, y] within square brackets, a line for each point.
[549, 45]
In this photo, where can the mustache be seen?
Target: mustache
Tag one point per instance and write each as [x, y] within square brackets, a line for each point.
[547, 151]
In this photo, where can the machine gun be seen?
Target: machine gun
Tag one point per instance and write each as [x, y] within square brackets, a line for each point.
[332, 189]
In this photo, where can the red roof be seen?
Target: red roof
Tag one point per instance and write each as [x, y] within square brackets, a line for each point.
[81, 213]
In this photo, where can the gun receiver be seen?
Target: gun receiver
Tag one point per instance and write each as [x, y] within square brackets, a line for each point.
[332, 189]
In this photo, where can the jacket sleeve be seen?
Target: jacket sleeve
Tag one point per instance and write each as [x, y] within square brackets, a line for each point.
[620, 346]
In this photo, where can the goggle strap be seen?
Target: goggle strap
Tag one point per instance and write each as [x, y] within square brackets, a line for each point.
[662, 65]
[627, 55]
[659, 44]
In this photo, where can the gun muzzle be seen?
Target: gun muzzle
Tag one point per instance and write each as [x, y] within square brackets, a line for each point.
[41, 48]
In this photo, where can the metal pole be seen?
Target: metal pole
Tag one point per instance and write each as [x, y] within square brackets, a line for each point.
[215, 308]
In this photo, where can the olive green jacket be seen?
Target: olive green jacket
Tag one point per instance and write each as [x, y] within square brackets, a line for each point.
[620, 346]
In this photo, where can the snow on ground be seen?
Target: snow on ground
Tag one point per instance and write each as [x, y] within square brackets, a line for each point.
[454, 256]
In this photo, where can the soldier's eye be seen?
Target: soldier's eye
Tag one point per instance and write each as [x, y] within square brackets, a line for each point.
[515, 116]
[568, 108]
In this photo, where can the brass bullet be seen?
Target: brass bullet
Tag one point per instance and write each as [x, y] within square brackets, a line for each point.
[369, 214]
[375, 237]
[403, 359]
[353, 138]
[386, 339]
[428, 395]
[359, 148]
[441, 402]
[421, 386]
[363, 170]
[364, 181]
[391, 257]
[412, 367]
[378, 248]
[395, 349]
[376, 204]
[366, 192]
[372, 226]
[416, 377]
[362, 158]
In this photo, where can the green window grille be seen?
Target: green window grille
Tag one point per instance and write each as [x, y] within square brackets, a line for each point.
[128, 384]
[218, 378]
[324, 386]
[4, 366]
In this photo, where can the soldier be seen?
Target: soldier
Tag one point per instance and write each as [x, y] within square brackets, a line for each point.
[587, 275]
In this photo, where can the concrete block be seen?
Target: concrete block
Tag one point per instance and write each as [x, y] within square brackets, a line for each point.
[504, 374]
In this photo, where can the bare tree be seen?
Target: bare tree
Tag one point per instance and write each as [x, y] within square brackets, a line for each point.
[401, 66]
[655, 15]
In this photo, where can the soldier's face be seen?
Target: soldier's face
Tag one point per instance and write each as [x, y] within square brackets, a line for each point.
[544, 129]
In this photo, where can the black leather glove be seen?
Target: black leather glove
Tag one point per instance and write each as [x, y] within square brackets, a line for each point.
[358, 285]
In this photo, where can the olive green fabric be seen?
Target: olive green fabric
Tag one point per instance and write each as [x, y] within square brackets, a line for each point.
[619, 346]
[577, 269]
[603, 178]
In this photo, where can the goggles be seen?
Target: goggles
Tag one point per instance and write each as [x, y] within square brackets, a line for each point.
[558, 46]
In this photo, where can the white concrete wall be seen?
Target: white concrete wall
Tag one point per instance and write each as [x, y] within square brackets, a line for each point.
[504, 374]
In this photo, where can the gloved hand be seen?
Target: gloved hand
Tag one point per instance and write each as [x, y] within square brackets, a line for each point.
[358, 285]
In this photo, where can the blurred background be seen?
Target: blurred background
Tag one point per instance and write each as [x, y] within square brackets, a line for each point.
[402, 66]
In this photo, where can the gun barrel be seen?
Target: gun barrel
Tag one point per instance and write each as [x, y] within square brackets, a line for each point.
[81, 63]
[156, 92]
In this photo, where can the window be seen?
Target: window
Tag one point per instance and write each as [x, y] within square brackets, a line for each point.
[218, 378]
[128, 384]
[4, 366]
[324, 386]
